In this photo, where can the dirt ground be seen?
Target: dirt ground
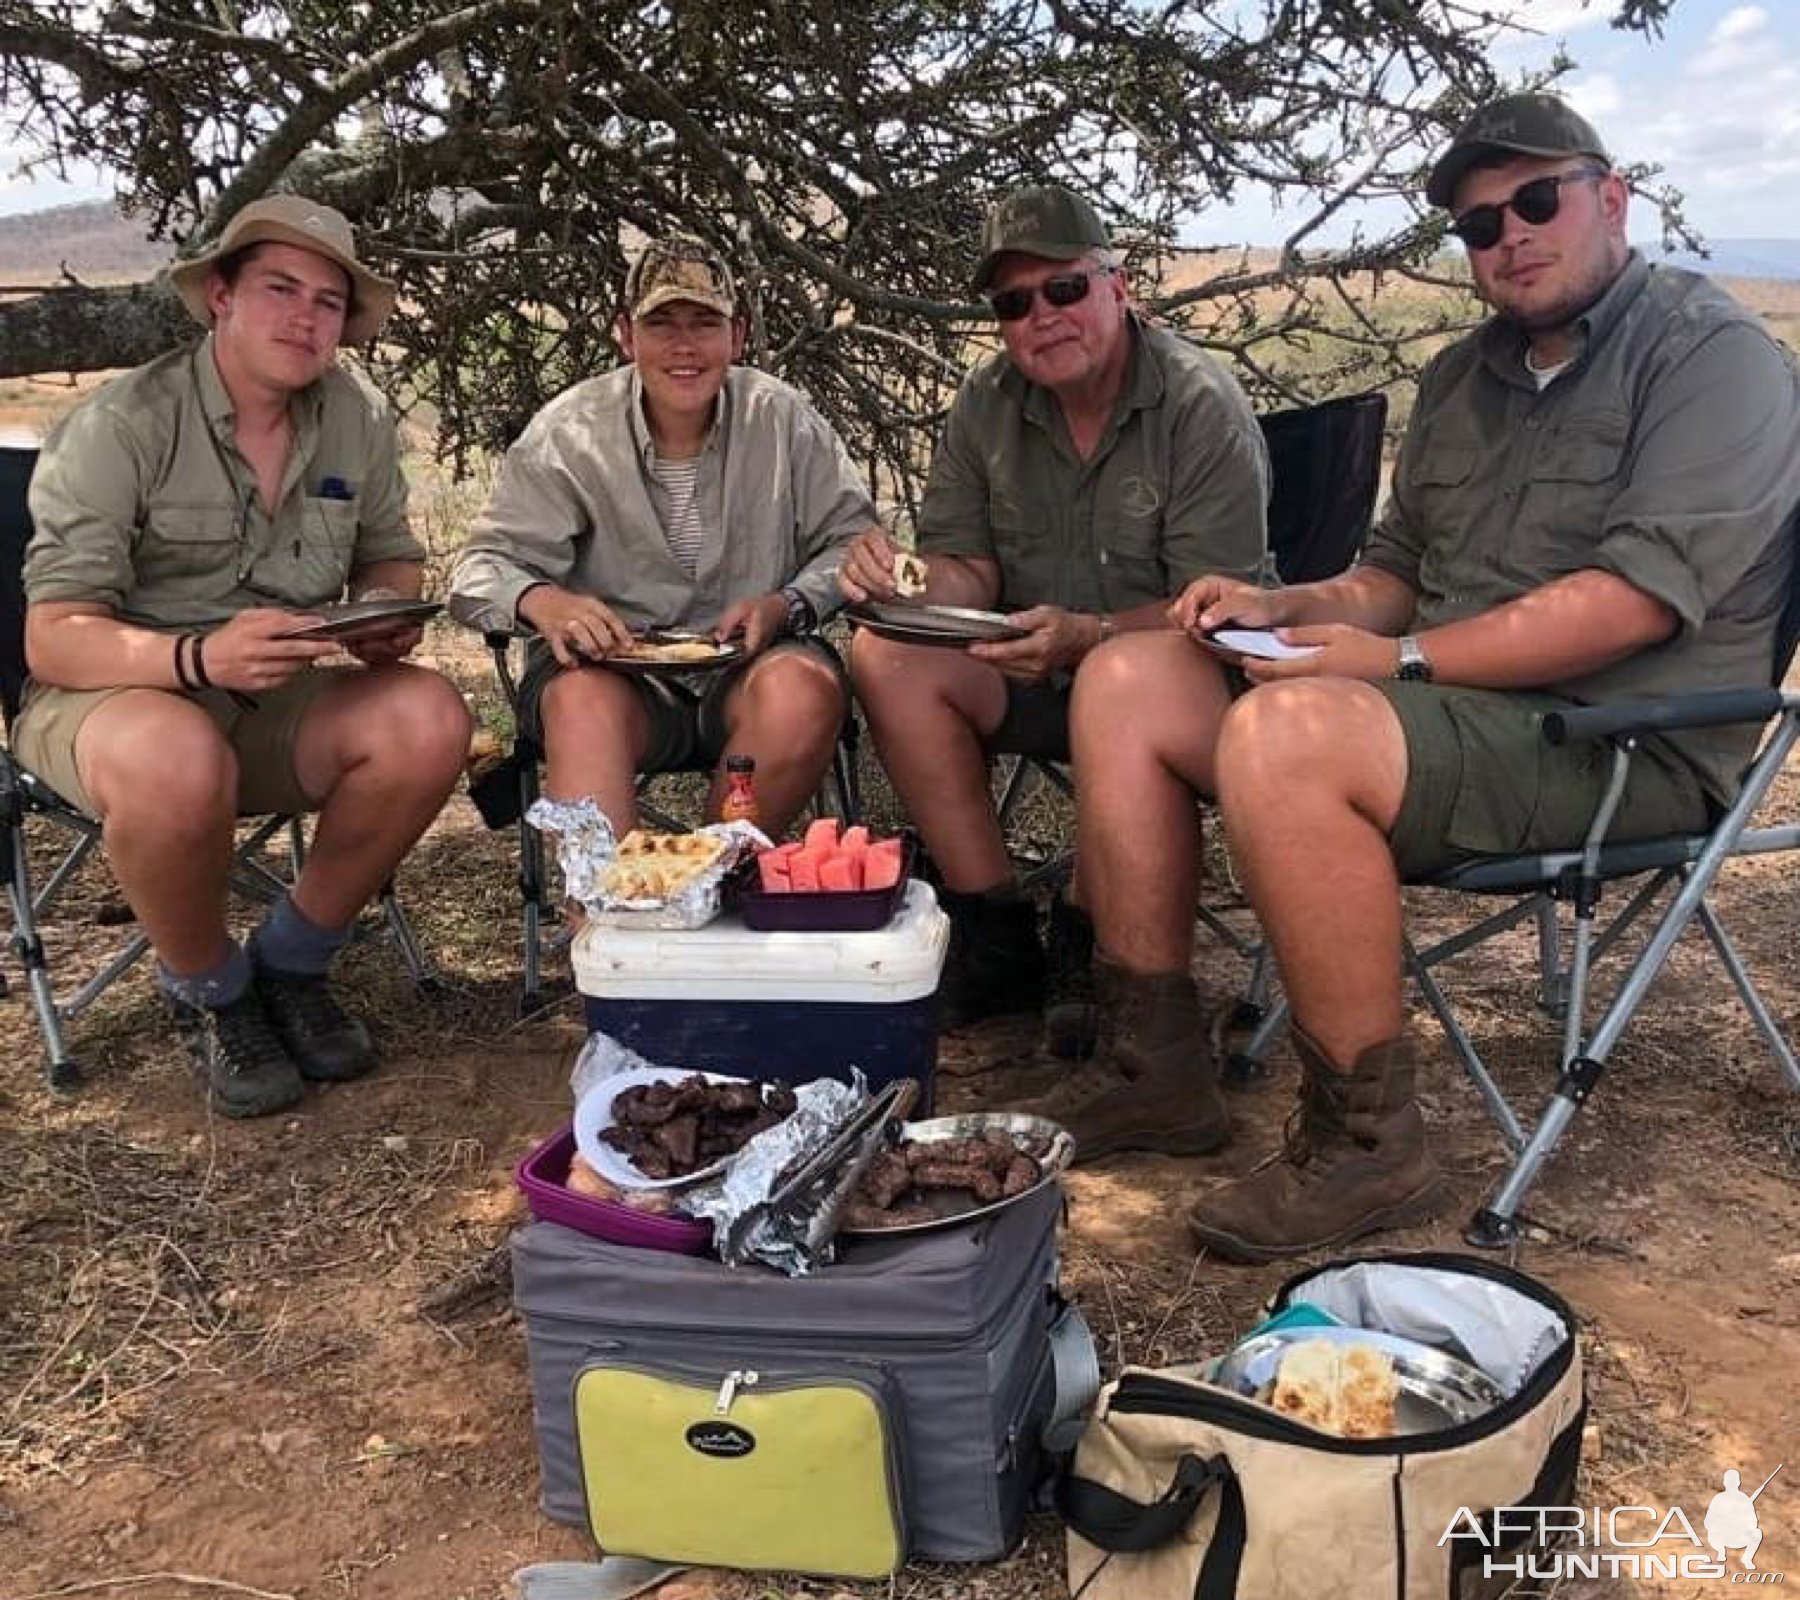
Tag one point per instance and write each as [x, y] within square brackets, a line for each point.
[272, 1359]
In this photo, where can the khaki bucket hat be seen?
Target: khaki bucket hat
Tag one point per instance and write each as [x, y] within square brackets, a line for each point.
[307, 225]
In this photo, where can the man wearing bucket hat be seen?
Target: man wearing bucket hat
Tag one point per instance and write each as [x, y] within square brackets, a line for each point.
[680, 491]
[188, 519]
[1594, 501]
[1085, 473]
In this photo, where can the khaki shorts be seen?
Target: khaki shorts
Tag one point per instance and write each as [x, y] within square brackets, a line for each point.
[686, 710]
[44, 737]
[1482, 780]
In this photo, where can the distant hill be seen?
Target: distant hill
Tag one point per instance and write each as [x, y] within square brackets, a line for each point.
[1737, 258]
[92, 240]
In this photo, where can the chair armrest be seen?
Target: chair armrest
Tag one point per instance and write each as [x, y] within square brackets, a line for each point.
[1716, 708]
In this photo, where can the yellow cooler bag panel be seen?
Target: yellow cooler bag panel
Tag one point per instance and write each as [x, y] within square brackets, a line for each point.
[788, 1472]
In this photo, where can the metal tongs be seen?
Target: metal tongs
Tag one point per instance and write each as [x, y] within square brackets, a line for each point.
[804, 1204]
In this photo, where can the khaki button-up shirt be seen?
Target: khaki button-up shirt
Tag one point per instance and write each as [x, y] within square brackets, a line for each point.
[141, 501]
[1178, 487]
[1668, 454]
[778, 494]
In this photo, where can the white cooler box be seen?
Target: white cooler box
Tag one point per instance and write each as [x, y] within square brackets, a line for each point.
[792, 1006]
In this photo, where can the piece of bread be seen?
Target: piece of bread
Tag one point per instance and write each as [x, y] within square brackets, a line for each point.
[655, 866]
[1347, 1389]
[910, 575]
[670, 650]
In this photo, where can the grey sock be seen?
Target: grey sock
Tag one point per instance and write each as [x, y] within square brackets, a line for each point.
[218, 985]
[289, 941]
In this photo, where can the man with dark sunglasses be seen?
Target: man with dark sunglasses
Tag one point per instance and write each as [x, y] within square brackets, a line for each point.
[189, 518]
[1594, 501]
[1085, 473]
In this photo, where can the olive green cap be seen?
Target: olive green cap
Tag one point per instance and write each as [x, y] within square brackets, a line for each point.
[1523, 124]
[1042, 219]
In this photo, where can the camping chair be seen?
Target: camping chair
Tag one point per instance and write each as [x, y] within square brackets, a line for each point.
[1324, 470]
[506, 793]
[25, 798]
[1684, 867]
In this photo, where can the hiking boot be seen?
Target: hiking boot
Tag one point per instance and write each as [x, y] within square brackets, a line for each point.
[1353, 1161]
[995, 965]
[243, 1066]
[1155, 1085]
[327, 1043]
[1071, 1009]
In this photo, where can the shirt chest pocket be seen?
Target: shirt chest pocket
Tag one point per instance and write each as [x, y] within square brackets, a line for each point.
[1128, 535]
[308, 561]
[190, 547]
[1576, 477]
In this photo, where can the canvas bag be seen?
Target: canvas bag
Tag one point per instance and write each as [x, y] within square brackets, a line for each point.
[795, 1471]
[1183, 1491]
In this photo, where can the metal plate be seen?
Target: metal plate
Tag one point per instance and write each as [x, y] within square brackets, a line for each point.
[1437, 1390]
[970, 1124]
[353, 617]
[915, 624]
[724, 653]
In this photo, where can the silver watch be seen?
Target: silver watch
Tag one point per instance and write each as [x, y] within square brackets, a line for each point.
[1413, 665]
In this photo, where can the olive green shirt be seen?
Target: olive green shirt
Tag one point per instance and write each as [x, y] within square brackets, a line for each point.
[1668, 454]
[1178, 487]
[142, 503]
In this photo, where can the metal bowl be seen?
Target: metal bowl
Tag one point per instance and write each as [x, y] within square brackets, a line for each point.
[1437, 1390]
[1018, 1125]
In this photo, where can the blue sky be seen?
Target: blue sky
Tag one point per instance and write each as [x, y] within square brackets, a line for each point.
[1715, 102]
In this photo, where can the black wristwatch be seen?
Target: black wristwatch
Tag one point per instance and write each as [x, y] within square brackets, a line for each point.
[799, 610]
[1413, 665]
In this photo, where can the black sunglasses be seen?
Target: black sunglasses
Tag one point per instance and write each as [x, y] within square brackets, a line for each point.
[1534, 202]
[1065, 289]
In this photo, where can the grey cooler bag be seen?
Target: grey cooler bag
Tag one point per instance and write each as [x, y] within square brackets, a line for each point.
[954, 1323]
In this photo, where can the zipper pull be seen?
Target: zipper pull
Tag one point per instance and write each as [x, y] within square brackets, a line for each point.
[742, 1378]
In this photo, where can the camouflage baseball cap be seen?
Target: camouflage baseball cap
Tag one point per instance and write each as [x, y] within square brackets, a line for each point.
[679, 268]
[1042, 219]
[1527, 125]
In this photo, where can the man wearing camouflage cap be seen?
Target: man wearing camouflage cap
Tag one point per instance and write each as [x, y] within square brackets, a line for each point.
[679, 491]
[1085, 473]
[189, 518]
[1594, 501]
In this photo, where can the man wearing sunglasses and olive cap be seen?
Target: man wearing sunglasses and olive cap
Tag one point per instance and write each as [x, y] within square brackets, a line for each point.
[189, 518]
[1085, 473]
[1594, 501]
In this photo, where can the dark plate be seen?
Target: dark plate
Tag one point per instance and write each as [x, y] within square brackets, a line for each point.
[725, 653]
[951, 625]
[353, 617]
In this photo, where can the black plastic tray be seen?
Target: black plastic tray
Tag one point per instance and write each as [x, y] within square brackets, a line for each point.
[821, 910]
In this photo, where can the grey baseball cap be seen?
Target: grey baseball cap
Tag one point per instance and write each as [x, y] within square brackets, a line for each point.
[1522, 124]
[1041, 219]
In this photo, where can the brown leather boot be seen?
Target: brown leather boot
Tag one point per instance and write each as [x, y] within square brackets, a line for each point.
[1353, 1161]
[1154, 1085]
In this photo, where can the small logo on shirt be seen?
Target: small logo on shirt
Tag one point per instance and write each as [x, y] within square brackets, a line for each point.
[1138, 497]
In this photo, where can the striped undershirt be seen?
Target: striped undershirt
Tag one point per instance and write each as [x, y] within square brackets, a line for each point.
[680, 482]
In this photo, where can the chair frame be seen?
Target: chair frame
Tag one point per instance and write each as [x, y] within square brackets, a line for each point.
[1684, 867]
[25, 797]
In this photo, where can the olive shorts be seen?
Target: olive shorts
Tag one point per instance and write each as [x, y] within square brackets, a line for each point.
[1482, 780]
[686, 710]
[262, 736]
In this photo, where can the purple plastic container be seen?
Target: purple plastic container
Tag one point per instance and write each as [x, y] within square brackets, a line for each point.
[542, 1176]
[821, 910]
